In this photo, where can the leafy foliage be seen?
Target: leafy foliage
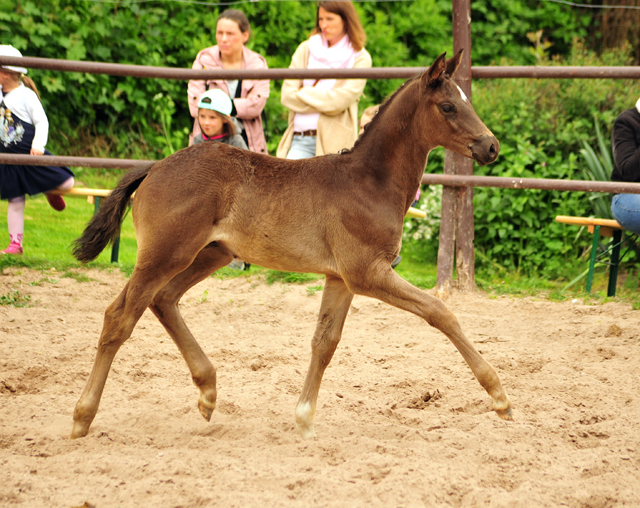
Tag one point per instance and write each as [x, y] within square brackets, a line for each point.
[540, 124]
[503, 25]
[15, 299]
[598, 167]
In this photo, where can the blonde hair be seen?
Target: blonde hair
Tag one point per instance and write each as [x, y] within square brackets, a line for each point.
[352, 25]
[26, 81]
[371, 111]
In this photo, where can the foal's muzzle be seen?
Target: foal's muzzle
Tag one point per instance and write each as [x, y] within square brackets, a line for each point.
[485, 149]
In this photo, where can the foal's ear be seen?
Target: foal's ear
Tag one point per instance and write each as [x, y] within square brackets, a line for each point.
[454, 63]
[435, 71]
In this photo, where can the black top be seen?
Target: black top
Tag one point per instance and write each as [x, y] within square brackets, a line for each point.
[625, 143]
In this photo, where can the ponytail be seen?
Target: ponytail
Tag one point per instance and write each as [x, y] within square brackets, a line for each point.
[28, 82]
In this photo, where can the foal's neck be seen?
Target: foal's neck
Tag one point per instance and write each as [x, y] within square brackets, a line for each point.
[395, 147]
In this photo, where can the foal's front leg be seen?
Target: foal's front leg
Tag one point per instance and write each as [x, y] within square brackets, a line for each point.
[386, 285]
[336, 300]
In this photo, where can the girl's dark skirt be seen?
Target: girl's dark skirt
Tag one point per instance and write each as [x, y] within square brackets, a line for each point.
[18, 180]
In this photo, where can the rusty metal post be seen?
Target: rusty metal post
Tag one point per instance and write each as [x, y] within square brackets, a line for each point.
[456, 228]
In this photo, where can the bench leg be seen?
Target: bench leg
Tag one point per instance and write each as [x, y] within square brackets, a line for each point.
[115, 249]
[594, 252]
[615, 261]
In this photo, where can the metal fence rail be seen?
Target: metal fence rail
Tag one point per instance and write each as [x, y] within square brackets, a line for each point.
[433, 179]
[143, 71]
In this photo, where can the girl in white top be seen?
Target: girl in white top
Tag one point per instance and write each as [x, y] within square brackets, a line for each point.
[24, 129]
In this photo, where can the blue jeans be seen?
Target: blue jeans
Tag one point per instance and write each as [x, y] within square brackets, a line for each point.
[302, 147]
[626, 210]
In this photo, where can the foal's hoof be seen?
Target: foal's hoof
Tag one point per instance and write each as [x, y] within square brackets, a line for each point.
[306, 431]
[79, 430]
[206, 408]
[505, 414]
[304, 420]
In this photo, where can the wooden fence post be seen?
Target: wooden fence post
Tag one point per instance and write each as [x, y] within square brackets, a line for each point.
[456, 227]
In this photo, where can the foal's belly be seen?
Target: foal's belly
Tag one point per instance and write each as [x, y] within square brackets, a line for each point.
[279, 250]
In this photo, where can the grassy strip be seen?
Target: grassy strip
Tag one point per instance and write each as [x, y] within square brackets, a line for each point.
[49, 235]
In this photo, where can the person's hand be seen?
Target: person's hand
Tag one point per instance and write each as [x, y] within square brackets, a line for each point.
[35, 151]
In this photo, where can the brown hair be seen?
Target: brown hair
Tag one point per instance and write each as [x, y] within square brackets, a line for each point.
[228, 126]
[352, 25]
[239, 17]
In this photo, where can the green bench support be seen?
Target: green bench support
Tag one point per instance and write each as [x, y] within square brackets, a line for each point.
[599, 228]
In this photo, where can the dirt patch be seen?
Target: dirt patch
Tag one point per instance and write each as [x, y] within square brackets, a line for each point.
[401, 421]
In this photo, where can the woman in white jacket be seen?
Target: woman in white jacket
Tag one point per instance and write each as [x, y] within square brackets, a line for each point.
[323, 114]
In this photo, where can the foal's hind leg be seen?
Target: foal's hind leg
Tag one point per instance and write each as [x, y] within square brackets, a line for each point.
[119, 320]
[336, 300]
[384, 284]
[165, 307]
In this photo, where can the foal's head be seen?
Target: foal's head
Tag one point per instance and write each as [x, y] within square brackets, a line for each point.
[447, 117]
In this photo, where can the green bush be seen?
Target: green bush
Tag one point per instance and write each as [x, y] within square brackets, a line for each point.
[540, 125]
[100, 115]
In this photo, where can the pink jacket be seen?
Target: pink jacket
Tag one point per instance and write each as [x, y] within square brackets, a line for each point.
[252, 99]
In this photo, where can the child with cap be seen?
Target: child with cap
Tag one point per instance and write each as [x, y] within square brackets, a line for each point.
[214, 109]
[24, 129]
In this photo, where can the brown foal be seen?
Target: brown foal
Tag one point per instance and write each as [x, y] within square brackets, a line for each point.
[340, 215]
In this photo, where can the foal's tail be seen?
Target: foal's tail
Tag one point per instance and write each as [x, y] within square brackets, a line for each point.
[104, 226]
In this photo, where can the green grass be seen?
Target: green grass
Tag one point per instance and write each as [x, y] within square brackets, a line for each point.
[15, 299]
[273, 276]
[49, 235]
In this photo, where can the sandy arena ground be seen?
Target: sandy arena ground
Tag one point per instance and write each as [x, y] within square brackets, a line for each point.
[571, 370]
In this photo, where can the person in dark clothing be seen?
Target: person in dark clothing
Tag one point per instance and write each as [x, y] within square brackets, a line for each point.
[625, 143]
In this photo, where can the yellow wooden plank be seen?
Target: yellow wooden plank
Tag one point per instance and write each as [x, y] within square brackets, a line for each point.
[414, 213]
[588, 221]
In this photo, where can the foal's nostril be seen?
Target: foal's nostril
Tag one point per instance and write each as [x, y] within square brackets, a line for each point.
[492, 149]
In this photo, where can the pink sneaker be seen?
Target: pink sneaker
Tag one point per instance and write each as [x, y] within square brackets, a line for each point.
[56, 202]
[14, 248]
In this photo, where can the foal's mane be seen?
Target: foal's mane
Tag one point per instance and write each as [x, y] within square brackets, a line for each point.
[383, 107]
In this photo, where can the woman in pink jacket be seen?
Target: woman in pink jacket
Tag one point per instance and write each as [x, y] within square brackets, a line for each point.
[249, 96]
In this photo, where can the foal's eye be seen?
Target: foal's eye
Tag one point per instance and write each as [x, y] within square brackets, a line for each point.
[447, 108]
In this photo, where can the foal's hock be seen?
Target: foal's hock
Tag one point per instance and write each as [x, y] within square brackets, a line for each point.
[340, 215]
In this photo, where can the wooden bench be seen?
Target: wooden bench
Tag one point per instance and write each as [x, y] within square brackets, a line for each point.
[600, 227]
